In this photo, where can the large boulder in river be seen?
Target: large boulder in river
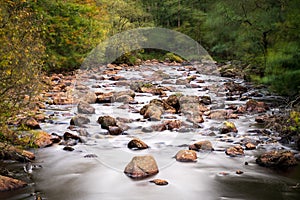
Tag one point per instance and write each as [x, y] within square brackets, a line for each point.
[85, 108]
[277, 159]
[141, 167]
[9, 184]
[106, 121]
[186, 156]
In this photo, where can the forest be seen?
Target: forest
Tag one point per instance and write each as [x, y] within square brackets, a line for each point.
[42, 36]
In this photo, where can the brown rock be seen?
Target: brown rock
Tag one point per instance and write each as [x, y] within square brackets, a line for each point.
[235, 151]
[30, 123]
[9, 152]
[159, 182]
[141, 167]
[154, 113]
[250, 146]
[186, 156]
[202, 145]
[43, 139]
[218, 114]
[85, 108]
[173, 124]
[239, 172]
[124, 98]
[114, 130]
[8, 184]
[106, 121]
[68, 136]
[277, 159]
[173, 101]
[137, 144]
[159, 127]
[79, 120]
[256, 106]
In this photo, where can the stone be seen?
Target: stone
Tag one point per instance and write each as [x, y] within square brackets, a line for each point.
[173, 101]
[159, 182]
[228, 127]
[9, 152]
[124, 98]
[239, 172]
[153, 112]
[137, 144]
[42, 139]
[31, 123]
[85, 108]
[106, 121]
[79, 120]
[186, 156]
[202, 145]
[256, 106]
[172, 124]
[141, 167]
[218, 114]
[115, 130]
[158, 127]
[10, 184]
[277, 159]
[206, 100]
[235, 151]
[68, 148]
[250, 146]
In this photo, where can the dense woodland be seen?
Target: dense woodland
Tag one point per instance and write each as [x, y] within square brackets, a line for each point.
[45, 36]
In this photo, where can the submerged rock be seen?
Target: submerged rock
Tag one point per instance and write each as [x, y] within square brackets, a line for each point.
[8, 184]
[141, 167]
[277, 159]
[137, 144]
[186, 156]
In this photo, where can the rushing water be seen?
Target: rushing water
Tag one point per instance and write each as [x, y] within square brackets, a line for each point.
[74, 176]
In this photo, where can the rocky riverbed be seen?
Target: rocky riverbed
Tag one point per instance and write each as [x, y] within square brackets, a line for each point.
[158, 130]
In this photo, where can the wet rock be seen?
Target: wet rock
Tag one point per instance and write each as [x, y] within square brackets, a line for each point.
[206, 100]
[228, 127]
[115, 130]
[277, 159]
[217, 114]
[87, 96]
[9, 152]
[70, 136]
[159, 182]
[130, 93]
[68, 148]
[239, 172]
[173, 101]
[141, 167]
[190, 107]
[205, 145]
[85, 108]
[104, 97]
[137, 144]
[158, 127]
[42, 139]
[31, 123]
[235, 88]
[106, 121]
[153, 112]
[116, 78]
[172, 124]
[124, 99]
[186, 156]
[235, 151]
[256, 106]
[250, 146]
[9, 184]
[79, 120]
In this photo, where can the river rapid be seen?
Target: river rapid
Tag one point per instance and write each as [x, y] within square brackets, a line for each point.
[94, 170]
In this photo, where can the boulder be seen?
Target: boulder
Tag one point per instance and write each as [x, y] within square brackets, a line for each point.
[172, 124]
[9, 152]
[42, 139]
[250, 146]
[85, 108]
[70, 136]
[186, 156]
[256, 106]
[31, 123]
[9, 184]
[79, 120]
[124, 98]
[137, 144]
[206, 100]
[153, 112]
[173, 101]
[106, 121]
[235, 151]
[115, 130]
[202, 145]
[277, 159]
[141, 167]
[228, 127]
[218, 114]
